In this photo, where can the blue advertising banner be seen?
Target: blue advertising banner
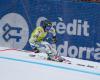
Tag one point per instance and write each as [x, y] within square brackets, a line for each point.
[77, 25]
[14, 25]
[78, 31]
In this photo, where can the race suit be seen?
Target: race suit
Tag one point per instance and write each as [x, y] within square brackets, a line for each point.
[41, 39]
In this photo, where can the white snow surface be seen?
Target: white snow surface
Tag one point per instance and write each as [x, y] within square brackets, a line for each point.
[18, 65]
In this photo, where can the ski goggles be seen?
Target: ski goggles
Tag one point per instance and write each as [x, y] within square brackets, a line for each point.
[48, 28]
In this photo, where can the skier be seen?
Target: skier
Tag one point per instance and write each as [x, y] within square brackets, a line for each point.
[41, 38]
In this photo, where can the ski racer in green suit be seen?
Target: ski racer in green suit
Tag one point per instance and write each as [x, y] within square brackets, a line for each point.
[41, 38]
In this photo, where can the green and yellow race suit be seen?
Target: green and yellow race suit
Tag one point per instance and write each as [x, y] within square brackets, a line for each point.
[37, 35]
[36, 41]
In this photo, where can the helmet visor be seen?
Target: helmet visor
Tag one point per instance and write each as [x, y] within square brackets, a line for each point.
[48, 28]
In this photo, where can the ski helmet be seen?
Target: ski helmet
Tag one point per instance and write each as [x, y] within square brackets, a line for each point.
[46, 25]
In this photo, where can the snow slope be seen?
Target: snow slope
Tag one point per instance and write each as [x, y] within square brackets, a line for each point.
[18, 65]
